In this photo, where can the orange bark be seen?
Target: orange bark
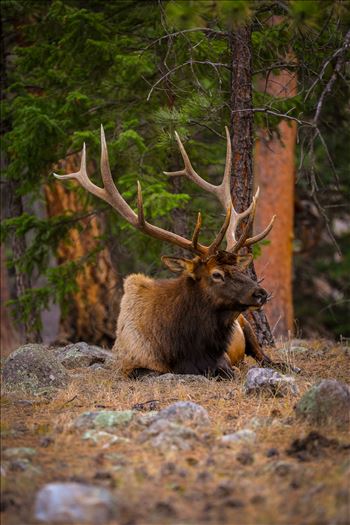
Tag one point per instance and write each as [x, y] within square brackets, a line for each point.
[92, 314]
[274, 174]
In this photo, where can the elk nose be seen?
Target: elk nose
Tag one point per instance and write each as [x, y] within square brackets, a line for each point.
[260, 295]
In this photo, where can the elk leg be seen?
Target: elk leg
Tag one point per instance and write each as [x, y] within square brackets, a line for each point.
[224, 369]
[253, 349]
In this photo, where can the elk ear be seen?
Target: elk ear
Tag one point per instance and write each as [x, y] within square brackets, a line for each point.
[179, 265]
[243, 261]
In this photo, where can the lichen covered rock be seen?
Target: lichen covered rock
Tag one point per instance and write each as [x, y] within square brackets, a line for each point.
[169, 436]
[184, 412]
[79, 355]
[327, 402]
[269, 381]
[103, 419]
[74, 503]
[34, 368]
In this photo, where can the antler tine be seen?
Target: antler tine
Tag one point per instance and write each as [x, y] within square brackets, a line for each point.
[188, 170]
[197, 230]
[82, 177]
[116, 199]
[236, 218]
[218, 240]
[261, 235]
[241, 241]
[224, 190]
[140, 210]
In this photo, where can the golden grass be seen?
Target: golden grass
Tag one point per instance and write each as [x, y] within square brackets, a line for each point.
[205, 485]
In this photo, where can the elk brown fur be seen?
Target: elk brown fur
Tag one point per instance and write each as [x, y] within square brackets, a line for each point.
[191, 324]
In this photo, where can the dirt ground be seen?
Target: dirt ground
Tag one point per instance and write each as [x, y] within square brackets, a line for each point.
[272, 482]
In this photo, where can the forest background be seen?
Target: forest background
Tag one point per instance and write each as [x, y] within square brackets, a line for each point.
[276, 73]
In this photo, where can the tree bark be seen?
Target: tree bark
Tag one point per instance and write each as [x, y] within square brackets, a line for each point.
[9, 337]
[274, 170]
[93, 309]
[23, 281]
[14, 208]
[241, 130]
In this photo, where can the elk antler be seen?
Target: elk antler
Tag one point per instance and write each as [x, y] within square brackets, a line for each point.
[223, 194]
[110, 194]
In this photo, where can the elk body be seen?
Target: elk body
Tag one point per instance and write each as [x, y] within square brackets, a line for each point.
[192, 324]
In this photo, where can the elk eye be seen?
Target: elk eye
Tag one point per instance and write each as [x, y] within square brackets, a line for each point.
[217, 276]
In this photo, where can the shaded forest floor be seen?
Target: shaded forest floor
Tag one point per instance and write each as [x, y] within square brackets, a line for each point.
[241, 484]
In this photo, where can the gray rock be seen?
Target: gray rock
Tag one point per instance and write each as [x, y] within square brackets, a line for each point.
[241, 436]
[290, 350]
[184, 412]
[327, 402]
[103, 419]
[169, 436]
[269, 381]
[18, 452]
[74, 503]
[23, 465]
[105, 439]
[34, 368]
[281, 468]
[257, 422]
[147, 419]
[79, 355]
[180, 378]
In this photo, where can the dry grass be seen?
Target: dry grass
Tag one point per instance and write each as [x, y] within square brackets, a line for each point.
[205, 485]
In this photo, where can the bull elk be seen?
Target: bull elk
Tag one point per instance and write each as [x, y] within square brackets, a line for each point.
[192, 324]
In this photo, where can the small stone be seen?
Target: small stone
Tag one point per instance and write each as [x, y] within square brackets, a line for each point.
[272, 452]
[257, 422]
[116, 459]
[97, 367]
[165, 509]
[241, 436]
[205, 475]
[245, 457]
[103, 419]
[100, 437]
[24, 465]
[18, 452]
[46, 441]
[34, 368]
[283, 468]
[258, 499]
[166, 435]
[326, 403]
[79, 355]
[74, 503]
[184, 412]
[224, 489]
[168, 468]
[269, 381]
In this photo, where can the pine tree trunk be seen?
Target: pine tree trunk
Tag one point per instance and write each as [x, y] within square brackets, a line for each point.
[18, 244]
[14, 208]
[274, 169]
[93, 309]
[9, 337]
[241, 130]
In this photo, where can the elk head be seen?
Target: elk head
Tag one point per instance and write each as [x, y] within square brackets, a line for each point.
[220, 279]
[218, 274]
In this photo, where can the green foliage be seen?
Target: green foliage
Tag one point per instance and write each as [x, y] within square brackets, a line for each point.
[75, 65]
